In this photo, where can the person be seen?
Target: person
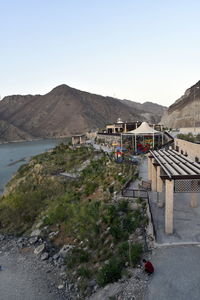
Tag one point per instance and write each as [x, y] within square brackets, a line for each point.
[148, 267]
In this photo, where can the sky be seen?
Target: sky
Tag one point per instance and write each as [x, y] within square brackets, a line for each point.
[141, 50]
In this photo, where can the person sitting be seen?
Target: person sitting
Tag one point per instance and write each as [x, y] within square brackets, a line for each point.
[148, 267]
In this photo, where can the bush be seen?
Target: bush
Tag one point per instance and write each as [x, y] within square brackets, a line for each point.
[135, 253]
[84, 272]
[110, 272]
[76, 257]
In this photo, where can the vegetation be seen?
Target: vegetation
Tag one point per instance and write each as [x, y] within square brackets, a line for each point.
[189, 137]
[82, 209]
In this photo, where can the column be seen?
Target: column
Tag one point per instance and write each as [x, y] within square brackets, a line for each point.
[149, 160]
[153, 177]
[169, 206]
[159, 180]
[160, 202]
[193, 202]
[125, 130]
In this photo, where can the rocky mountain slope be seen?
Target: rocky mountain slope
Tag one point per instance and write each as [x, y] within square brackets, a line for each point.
[150, 111]
[62, 112]
[185, 112]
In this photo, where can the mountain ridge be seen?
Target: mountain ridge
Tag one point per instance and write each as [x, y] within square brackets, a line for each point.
[65, 111]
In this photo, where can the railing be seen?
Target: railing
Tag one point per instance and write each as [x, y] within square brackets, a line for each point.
[132, 193]
[140, 193]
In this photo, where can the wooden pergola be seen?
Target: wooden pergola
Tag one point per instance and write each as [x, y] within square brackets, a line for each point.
[180, 175]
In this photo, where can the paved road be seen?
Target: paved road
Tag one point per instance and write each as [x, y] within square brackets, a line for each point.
[177, 274]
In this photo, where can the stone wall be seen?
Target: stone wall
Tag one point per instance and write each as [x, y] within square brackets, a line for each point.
[191, 149]
[109, 138]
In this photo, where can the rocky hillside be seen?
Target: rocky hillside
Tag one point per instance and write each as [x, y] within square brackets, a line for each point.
[150, 111]
[87, 228]
[185, 112]
[62, 112]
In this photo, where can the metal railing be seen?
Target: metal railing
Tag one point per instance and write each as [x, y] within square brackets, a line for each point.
[140, 193]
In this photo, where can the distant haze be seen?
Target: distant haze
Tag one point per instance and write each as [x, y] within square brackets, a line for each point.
[135, 50]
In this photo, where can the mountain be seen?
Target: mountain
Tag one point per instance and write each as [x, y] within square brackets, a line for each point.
[185, 112]
[62, 112]
[150, 111]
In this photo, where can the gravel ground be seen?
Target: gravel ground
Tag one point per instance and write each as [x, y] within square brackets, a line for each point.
[24, 276]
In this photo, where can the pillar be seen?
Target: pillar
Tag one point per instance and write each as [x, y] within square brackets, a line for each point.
[153, 177]
[149, 160]
[159, 180]
[169, 206]
[125, 130]
[193, 202]
[160, 202]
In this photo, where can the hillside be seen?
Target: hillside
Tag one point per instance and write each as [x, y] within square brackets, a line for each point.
[150, 111]
[64, 111]
[100, 233]
[185, 112]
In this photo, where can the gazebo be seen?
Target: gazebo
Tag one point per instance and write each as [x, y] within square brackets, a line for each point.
[144, 130]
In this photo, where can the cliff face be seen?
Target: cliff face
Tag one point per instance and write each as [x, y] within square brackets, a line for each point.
[62, 112]
[185, 112]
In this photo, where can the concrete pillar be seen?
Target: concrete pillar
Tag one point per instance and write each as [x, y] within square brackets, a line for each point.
[149, 167]
[153, 177]
[159, 180]
[125, 130]
[160, 202]
[193, 201]
[169, 206]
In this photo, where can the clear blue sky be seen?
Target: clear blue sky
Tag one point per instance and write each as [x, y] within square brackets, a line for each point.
[134, 49]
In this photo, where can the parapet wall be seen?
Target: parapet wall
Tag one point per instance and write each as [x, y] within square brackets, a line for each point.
[109, 138]
[191, 149]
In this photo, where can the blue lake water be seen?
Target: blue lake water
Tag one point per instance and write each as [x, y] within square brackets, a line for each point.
[12, 153]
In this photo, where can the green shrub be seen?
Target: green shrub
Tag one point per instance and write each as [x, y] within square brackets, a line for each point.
[84, 272]
[135, 253]
[77, 256]
[110, 272]
[90, 188]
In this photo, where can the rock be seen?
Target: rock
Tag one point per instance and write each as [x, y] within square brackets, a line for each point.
[56, 256]
[38, 225]
[39, 249]
[92, 283]
[65, 249]
[44, 256]
[53, 234]
[61, 286]
[36, 232]
[2, 237]
[33, 240]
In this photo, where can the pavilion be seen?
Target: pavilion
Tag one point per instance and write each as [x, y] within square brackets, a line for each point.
[146, 133]
[178, 174]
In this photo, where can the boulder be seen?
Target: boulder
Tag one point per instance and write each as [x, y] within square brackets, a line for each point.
[36, 232]
[44, 256]
[65, 249]
[39, 249]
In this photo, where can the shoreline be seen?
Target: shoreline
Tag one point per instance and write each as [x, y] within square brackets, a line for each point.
[35, 140]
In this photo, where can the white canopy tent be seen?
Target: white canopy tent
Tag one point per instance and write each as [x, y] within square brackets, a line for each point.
[143, 129]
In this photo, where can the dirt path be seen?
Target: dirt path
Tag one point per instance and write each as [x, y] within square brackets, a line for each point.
[23, 276]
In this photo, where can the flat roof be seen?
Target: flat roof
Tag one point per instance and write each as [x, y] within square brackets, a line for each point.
[175, 165]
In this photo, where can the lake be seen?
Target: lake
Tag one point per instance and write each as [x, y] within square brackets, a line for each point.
[13, 155]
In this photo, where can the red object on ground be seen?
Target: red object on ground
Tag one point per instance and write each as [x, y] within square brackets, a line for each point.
[149, 267]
